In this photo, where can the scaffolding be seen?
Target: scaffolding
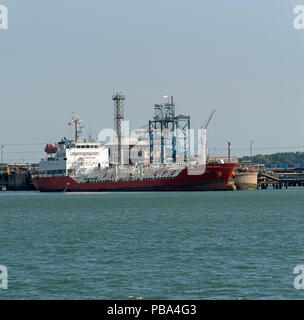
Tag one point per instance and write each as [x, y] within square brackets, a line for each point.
[165, 127]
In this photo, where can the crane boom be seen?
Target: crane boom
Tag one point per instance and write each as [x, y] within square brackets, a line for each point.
[208, 119]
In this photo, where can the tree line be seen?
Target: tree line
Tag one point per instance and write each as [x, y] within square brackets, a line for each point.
[276, 158]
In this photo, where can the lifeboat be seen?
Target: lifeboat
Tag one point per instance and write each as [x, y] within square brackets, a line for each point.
[49, 149]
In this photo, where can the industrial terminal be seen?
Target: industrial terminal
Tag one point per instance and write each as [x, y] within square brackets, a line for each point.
[160, 158]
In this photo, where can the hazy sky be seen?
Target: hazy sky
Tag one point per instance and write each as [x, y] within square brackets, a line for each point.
[243, 58]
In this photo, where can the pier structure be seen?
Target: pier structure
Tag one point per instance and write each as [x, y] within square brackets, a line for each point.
[17, 177]
[275, 177]
[246, 180]
[279, 178]
[171, 131]
[257, 176]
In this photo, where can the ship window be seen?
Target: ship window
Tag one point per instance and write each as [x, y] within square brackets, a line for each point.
[82, 147]
[65, 159]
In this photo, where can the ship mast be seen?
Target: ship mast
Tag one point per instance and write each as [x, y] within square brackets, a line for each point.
[78, 127]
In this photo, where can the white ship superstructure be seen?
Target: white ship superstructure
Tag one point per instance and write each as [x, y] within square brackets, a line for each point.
[74, 159]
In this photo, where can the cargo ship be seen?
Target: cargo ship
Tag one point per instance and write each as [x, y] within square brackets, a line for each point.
[86, 165]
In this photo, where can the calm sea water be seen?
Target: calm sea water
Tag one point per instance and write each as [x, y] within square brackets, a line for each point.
[194, 245]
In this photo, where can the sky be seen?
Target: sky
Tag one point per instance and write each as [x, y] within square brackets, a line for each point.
[243, 58]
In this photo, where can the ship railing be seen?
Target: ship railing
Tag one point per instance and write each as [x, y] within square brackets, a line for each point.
[126, 179]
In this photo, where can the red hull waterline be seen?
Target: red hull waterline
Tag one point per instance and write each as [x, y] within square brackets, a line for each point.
[216, 177]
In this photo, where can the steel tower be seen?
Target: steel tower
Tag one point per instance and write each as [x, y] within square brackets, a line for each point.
[165, 125]
[118, 99]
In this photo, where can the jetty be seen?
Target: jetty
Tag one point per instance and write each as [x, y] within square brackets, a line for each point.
[17, 177]
[278, 178]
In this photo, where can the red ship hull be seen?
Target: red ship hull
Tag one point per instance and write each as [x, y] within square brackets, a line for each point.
[216, 177]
